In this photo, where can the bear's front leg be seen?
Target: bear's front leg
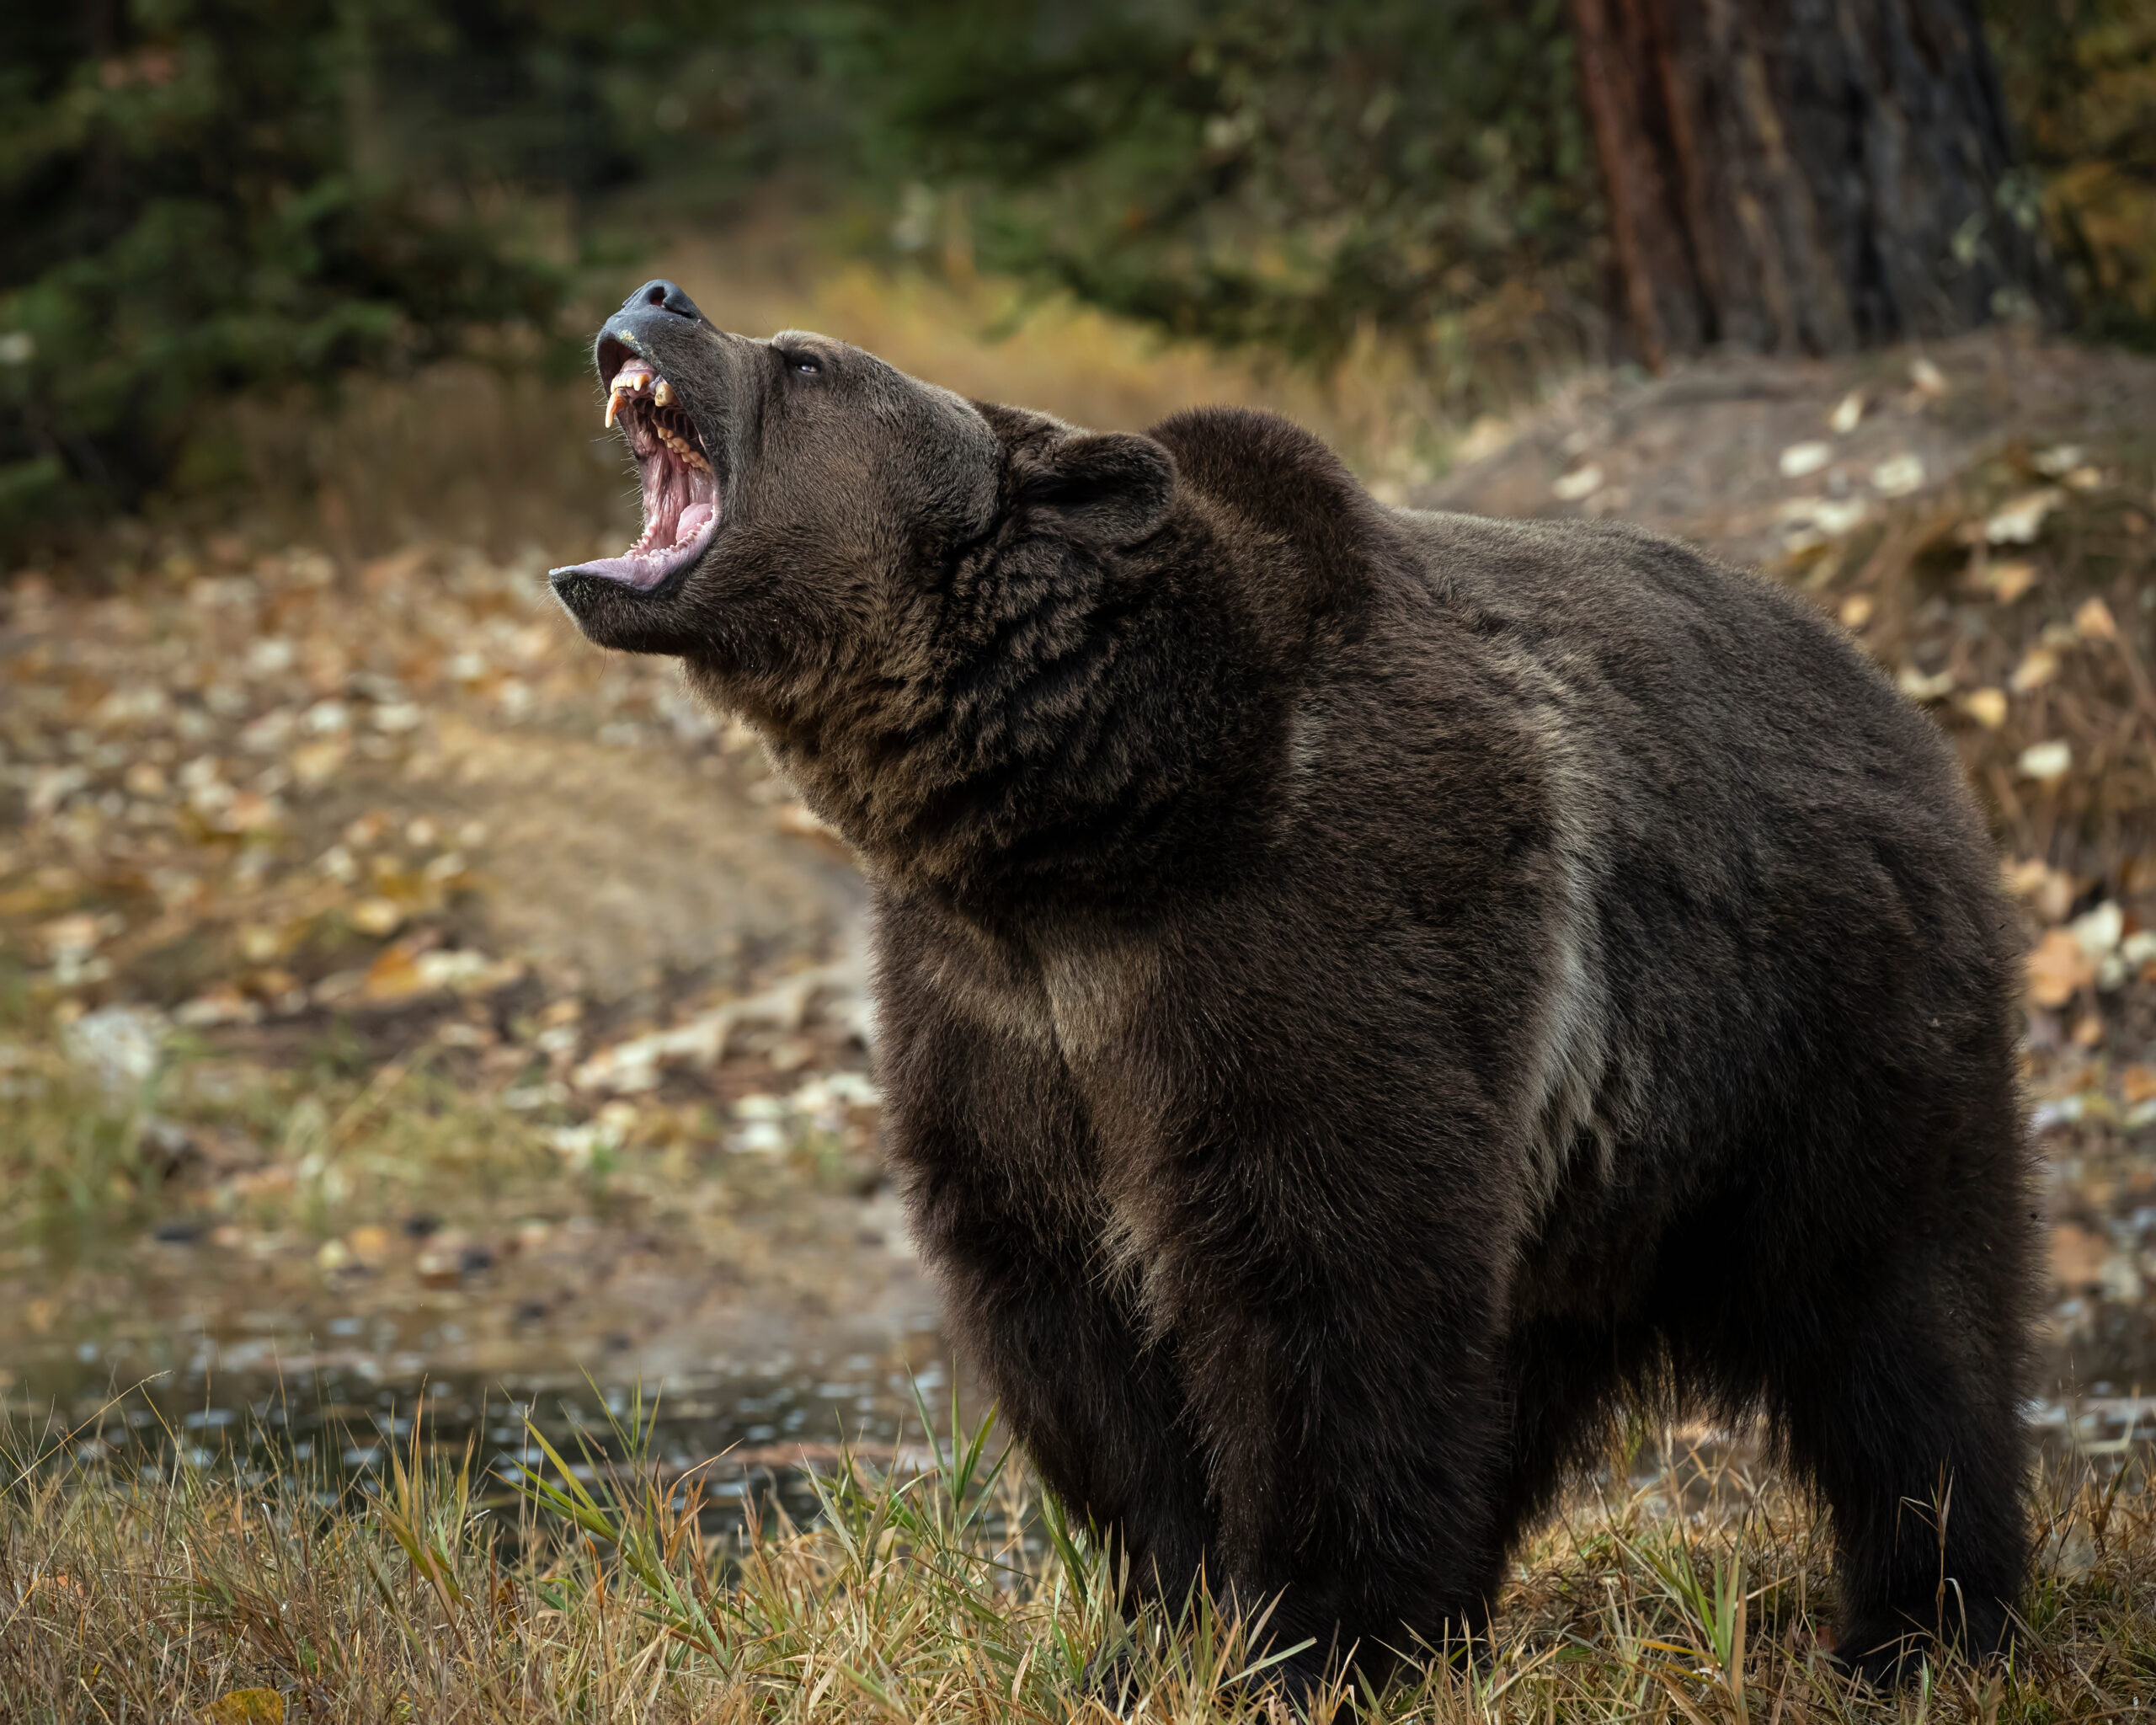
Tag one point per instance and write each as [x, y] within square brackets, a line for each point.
[990, 1140]
[1338, 1356]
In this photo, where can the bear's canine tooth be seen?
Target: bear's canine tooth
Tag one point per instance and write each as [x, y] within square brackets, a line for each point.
[662, 391]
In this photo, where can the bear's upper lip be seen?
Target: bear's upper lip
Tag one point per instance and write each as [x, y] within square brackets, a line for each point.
[682, 499]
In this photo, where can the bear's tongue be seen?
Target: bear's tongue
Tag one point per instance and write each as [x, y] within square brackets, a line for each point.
[681, 498]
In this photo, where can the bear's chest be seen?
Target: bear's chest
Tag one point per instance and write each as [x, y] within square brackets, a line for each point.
[1077, 996]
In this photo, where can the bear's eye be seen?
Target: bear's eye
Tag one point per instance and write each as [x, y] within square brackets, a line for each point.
[807, 364]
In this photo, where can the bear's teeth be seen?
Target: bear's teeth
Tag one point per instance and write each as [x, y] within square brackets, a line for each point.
[662, 391]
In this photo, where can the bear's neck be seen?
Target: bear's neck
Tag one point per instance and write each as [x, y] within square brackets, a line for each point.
[1043, 719]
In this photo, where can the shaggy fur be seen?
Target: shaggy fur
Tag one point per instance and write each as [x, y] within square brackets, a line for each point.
[1364, 991]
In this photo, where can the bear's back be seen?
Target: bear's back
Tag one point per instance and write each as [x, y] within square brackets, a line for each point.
[1783, 862]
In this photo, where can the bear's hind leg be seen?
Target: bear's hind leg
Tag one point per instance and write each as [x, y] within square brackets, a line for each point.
[1911, 1425]
[1562, 1382]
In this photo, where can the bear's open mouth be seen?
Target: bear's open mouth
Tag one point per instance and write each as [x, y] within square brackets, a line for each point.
[681, 498]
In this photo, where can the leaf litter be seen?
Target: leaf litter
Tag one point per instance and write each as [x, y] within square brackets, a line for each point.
[395, 985]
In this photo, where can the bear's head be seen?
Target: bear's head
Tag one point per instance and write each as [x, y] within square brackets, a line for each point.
[801, 496]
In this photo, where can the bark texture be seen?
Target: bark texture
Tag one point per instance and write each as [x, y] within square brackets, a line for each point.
[1806, 176]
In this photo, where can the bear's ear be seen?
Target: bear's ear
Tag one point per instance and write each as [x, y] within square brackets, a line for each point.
[1112, 487]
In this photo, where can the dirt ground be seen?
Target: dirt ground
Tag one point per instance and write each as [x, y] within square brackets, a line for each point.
[394, 983]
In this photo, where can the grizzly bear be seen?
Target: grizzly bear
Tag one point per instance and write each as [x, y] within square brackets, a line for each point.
[1363, 993]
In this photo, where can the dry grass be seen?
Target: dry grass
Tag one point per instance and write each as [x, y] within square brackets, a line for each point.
[497, 456]
[953, 1592]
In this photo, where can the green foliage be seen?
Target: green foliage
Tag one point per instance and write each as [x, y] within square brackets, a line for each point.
[201, 196]
[1266, 172]
[2081, 78]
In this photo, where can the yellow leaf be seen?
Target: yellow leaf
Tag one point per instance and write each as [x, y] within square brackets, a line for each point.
[2037, 668]
[2009, 581]
[246, 1706]
[2094, 622]
[379, 916]
[2059, 969]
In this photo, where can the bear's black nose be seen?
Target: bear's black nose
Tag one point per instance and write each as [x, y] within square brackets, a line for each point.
[668, 296]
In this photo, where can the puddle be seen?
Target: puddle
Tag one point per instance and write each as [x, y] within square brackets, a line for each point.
[749, 1432]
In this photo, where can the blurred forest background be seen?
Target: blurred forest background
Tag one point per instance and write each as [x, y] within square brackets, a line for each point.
[206, 200]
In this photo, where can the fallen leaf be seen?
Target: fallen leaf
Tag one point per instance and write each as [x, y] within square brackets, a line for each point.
[2099, 930]
[1827, 515]
[394, 976]
[369, 1244]
[1928, 379]
[2094, 622]
[260, 942]
[2136, 1083]
[1800, 459]
[2059, 459]
[2019, 521]
[2008, 581]
[2046, 762]
[2078, 1256]
[222, 1005]
[2059, 969]
[250, 811]
[316, 763]
[404, 972]
[1848, 414]
[1582, 482]
[1857, 610]
[1898, 475]
[2051, 891]
[377, 917]
[1918, 686]
[1988, 706]
[2038, 666]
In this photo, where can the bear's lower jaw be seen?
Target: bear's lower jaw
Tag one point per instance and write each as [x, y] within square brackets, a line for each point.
[648, 568]
[682, 501]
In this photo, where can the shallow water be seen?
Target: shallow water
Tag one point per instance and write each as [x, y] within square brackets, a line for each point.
[749, 1433]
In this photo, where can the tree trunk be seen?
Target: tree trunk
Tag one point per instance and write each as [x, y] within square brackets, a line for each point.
[1806, 176]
